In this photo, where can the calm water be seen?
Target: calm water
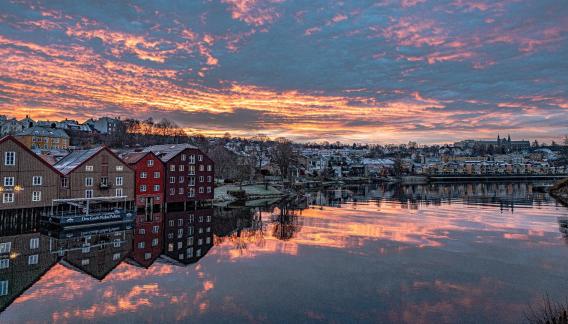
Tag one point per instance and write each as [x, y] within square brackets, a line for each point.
[440, 253]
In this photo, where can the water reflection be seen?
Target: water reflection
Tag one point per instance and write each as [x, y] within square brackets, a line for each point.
[424, 253]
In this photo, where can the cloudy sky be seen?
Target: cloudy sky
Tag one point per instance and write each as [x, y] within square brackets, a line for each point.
[357, 70]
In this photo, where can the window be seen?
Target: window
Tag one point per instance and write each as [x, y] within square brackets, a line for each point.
[180, 221]
[192, 159]
[198, 253]
[89, 168]
[32, 259]
[119, 192]
[143, 188]
[171, 222]
[9, 181]
[65, 182]
[200, 189]
[150, 163]
[181, 168]
[156, 188]
[8, 197]
[147, 256]
[155, 229]
[192, 192]
[180, 245]
[88, 182]
[180, 179]
[3, 287]
[192, 169]
[208, 178]
[5, 247]
[4, 263]
[201, 179]
[36, 196]
[208, 189]
[180, 232]
[156, 175]
[209, 167]
[119, 181]
[155, 242]
[201, 167]
[85, 262]
[172, 179]
[192, 181]
[190, 241]
[116, 243]
[170, 247]
[143, 175]
[172, 191]
[37, 180]
[172, 167]
[141, 245]
[142, 231]
[116, 256]
[183, 156]
[200, 157]
[10, 158]
[207, 240]
[119, 168]
[104, 181]
[89, 193]
[180, 191]
[190, 230]
[190, 252]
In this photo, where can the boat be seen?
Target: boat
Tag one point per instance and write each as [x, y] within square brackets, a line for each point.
[83, 212]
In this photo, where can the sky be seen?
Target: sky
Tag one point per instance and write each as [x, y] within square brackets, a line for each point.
[380, 71]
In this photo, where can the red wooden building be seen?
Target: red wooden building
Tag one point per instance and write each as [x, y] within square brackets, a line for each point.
[149, 178]
[190, 175]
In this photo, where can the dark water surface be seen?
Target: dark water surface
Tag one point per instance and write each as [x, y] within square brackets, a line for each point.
[456, 253]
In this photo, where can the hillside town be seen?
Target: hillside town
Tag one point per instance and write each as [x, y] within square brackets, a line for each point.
[281, 162]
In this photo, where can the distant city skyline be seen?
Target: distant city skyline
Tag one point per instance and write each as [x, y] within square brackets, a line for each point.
[353, 71]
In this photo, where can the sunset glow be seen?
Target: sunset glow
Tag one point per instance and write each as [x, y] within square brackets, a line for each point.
[364, 71]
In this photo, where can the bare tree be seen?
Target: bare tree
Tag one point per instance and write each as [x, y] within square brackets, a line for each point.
[283, 155]
[224, 161]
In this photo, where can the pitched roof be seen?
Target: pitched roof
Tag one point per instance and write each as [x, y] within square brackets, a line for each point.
[25, 148]
[43, 131]
[168, 151]
[133, 157]
[75, 159]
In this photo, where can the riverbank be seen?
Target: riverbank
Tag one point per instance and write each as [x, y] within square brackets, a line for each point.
[560, 191]
[228, 193]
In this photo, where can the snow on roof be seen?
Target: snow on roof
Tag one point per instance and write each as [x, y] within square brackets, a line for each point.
[167, 151]
[75, 159]
[43, 131]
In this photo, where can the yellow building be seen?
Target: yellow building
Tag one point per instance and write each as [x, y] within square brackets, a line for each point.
[44, 138]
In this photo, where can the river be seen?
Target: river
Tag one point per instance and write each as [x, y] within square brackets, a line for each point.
[437, 253]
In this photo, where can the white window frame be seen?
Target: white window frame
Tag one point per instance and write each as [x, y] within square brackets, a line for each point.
[150, 163]
[89, 181]
[33, 259]
[89, 168]
[37, 180]
[119, 192]
[119, 181]
[156, 188]
[143, 175]
[89, 193]
[8, 198]
[143, 188]
[36, 196]
[34, 243]
[119, 168]
[156, 174]
[10, 158]
[9, 181]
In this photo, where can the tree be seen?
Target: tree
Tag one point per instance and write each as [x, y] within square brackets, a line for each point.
[283, 154]
[224, 161]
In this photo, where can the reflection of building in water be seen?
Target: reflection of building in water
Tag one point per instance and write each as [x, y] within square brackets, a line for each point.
[503, 194]
[148, 239]
[188, 236]
[24, 258]
[95, 252]
[563, 227]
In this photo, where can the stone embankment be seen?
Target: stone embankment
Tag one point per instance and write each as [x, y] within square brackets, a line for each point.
[560, 191]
